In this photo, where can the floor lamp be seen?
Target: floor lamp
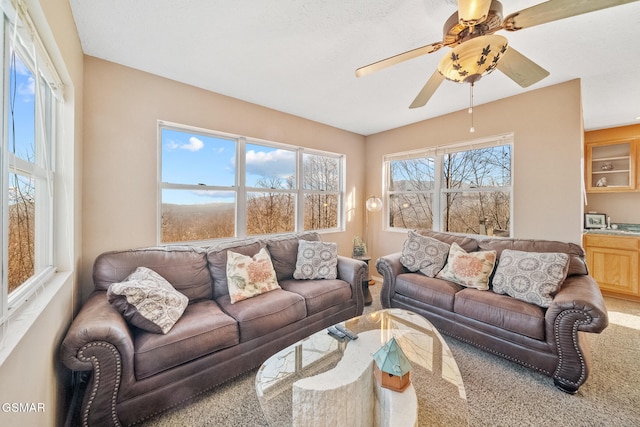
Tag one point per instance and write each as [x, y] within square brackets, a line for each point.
[373, 204]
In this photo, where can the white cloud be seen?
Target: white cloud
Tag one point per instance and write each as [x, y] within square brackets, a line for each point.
[277, 163]
[194, 144]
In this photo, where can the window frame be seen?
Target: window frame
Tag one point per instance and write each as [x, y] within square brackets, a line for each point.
[437, 153]
[20, 38]
[241, 189]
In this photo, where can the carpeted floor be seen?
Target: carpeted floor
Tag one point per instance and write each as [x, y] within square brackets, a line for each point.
[499, 393]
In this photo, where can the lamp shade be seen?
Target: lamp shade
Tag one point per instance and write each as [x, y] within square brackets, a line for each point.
[473, 59]
[374, 204]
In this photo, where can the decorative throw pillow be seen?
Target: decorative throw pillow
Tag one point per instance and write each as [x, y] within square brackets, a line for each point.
[470, 269]
[248, 276]
[426, 254]
[316, 260]
[530, 276]
[146, 300]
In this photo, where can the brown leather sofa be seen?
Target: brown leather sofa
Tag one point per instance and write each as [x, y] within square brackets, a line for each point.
[134, 374]
[548, 340]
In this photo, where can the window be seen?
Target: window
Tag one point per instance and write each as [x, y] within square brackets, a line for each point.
[216, 186]
[29, 113]
[461, 189]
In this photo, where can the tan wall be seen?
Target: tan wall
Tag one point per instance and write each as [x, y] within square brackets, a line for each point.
[32, 372]
[122, 107]
[621, 207]
[547, 176]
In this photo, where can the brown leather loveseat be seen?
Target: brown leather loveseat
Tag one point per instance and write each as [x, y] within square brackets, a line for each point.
[134, 374]
[546, 339]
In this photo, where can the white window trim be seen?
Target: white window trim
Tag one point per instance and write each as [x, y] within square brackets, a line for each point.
[437, 152]
[240, 187]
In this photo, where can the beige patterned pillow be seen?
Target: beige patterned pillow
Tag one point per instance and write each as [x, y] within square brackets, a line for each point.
[530, 276]
[316, 260]
[426, 254]
[470, 269]
[146, 300]
[248, 276]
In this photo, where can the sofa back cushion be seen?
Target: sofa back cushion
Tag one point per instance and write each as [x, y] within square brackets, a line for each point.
[576, 254]
[184, 267]
[284, 252]
[217, 258]
[469, 244]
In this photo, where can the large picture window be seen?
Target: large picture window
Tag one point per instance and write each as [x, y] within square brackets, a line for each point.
[461, 189]
[217, 186]
[30, 110]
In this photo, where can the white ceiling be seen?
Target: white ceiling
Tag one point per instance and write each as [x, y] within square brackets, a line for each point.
[300, 56]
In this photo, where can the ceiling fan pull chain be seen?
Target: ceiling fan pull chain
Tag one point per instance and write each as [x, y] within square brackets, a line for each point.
[472, 129]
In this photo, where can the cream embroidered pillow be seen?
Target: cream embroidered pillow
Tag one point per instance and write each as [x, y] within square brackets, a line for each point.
[248, 276]
[530, 276]
[146, 300]
[424, 253]
[472, 269]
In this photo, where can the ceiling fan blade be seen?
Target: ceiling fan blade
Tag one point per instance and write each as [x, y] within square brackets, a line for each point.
[396, 59]
[521, 69]
[428, 90]
[554, 10]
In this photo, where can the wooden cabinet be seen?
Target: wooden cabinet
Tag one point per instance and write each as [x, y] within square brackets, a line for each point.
[613, 263]
[611, 166]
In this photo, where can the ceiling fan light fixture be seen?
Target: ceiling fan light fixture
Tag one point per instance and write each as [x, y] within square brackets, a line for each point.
[471, 60]
[473, 12]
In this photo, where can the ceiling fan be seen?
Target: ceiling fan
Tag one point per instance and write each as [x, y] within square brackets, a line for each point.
[477, 51]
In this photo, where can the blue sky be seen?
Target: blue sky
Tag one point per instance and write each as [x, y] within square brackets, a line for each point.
[24, 110]
[191, 158]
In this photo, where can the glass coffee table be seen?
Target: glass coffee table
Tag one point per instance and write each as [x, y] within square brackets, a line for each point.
[315, 371]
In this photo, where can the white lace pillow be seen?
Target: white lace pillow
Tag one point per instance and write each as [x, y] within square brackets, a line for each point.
[248, 276]
[530, 276]
[146, 300]
[424, 254]
[316, 260]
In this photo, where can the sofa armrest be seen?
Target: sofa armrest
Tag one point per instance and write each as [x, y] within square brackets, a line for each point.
[580, 294]
[354, 272]
[577, 307]
[389, 267]
[99, 340]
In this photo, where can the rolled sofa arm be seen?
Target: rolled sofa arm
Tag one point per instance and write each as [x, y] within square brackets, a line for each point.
[389, 267]
[354, 272]
[577, 307]
[99, 341]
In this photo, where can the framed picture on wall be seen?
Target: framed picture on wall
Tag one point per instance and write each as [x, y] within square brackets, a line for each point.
[595, 220]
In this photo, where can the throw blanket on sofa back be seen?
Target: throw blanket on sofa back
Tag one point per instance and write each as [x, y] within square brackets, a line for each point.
[528, 301]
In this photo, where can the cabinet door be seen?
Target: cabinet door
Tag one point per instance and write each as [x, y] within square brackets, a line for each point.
[615, 270]
[611, 166]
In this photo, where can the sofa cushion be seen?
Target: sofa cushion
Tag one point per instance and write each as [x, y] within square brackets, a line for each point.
[319, 294]
[185, 267]
[146, 300]
[424, 254]
[436, 292]
[284, 252]
[469, 244]
[530, 276]
[471, 269]
[576, 253]
[501, 311]
[203, 329]
[316, 260]
[250, 276]
[217, 261]
[265, 313]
